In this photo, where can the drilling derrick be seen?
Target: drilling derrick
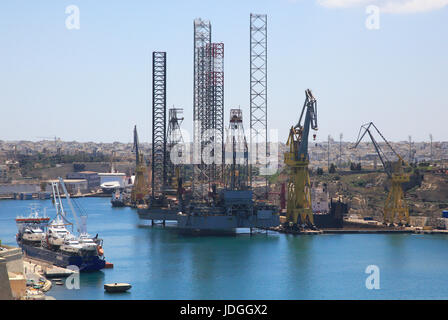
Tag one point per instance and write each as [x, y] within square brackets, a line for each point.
[175, 143]
[395, 207]
[141, 186]
[202, 37]
[237, 175]
[208, 110]
[299, 209]
[215, 111]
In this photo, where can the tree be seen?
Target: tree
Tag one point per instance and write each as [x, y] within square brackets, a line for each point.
[332, 168]
[320, 171]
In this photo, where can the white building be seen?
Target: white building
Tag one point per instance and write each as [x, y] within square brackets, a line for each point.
[113, 177]
[320, 202]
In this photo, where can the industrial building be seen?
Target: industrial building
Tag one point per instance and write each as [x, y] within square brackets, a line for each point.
[93, 179]
[74, 186]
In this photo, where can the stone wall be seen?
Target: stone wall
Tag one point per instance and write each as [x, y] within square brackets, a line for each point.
[9, 189]
[5, 287]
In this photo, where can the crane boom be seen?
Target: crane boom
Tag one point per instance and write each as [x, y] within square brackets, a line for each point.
[67, 197]
[378, 149]
[395, 203]
[299, 208]
[135, 147]
[310, 110]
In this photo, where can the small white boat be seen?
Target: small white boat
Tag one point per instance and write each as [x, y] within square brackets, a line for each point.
[33, 234]
[57, 232]
[117, 287]
[71, 245]
[87, 243]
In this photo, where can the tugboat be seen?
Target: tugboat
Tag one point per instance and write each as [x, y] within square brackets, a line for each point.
[57, 244]
[117, 198]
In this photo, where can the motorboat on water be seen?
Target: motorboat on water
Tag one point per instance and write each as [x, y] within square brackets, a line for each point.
[117, 287]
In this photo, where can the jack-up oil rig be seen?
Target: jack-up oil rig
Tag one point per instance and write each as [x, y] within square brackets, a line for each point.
[220, 197]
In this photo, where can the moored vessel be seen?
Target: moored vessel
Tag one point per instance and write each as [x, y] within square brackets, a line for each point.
[53, 242]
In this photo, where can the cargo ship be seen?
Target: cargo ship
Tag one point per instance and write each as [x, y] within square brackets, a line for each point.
[326, 212]
[51, 241]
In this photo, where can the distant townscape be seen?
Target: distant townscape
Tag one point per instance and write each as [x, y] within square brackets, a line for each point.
[41, 160]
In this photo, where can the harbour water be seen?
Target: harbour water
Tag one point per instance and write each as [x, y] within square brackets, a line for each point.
[160, 263]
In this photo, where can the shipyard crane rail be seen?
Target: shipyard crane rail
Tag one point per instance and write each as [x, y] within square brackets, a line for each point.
[395, 205]
[299, 207]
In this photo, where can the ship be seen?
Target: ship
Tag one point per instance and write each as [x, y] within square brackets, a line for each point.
[327, 213]
[51, 240]
[118, 199]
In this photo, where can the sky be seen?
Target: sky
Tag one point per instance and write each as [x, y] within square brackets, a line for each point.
[94, 83]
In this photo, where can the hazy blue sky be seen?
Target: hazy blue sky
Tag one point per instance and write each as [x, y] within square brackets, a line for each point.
[93, 84]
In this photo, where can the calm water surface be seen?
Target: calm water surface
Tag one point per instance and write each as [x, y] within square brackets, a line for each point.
[160, 263]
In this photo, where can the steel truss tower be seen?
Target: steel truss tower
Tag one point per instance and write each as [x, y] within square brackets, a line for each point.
[174, 136]
[258, 90]
[202, 37]
[215, 107]
[236, 153]
[158, 122]
[208, 110]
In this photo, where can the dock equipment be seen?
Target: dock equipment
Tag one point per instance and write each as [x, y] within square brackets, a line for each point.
[299, 209]
[395, 205]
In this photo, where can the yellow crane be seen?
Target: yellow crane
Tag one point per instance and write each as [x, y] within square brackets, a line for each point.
[395, 207]
[299, 208]
[141, 185]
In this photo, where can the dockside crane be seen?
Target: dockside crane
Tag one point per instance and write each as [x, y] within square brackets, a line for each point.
[141, 186]
[395, 206]
[298, 208]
